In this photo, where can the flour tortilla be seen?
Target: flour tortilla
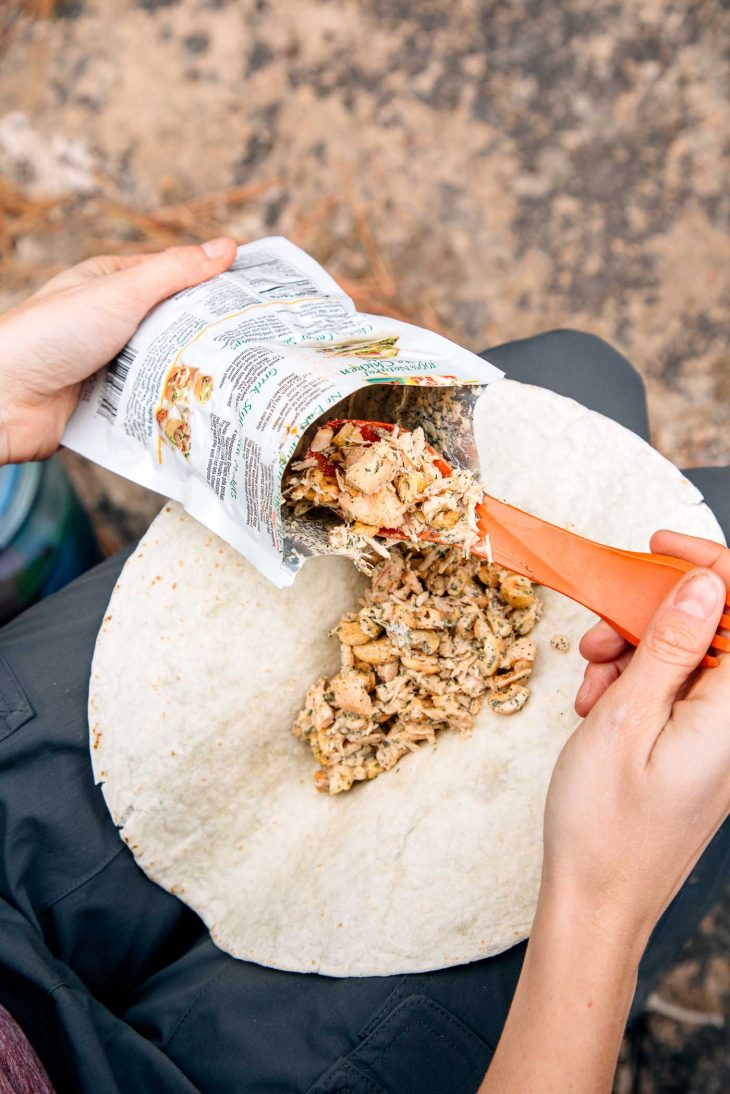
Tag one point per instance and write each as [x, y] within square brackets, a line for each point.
[201, 665]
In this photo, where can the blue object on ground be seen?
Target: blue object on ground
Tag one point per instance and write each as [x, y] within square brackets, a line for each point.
[46, 539]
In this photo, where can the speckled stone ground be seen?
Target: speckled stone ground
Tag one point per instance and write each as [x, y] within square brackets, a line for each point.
[490, 168]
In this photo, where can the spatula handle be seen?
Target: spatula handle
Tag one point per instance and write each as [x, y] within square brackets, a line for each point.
[624, 587]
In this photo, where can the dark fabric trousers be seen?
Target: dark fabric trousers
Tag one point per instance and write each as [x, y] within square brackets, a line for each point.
[117, 984]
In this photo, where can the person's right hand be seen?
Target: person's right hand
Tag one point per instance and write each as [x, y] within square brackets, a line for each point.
[644, 782]
[637, 794]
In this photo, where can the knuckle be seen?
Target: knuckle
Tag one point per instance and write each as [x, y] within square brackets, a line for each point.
[672, 642]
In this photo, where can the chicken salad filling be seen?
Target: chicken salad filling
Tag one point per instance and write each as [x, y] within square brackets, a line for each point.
[382, 479]
[436, 636]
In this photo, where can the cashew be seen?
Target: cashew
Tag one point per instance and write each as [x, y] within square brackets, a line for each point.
[419, 662]
[466, 621]
[350, 632]
[509, 701]
[445, 520]
[517, 591]
[525, 619]
[368, 624]
[489, 575]
[489, 654]
[523, 649]
[521, 673]
[425, 641]
[376, 653]
[500, 626]
[361, 529]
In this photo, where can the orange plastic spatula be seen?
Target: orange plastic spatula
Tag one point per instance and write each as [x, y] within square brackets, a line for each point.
[624, 587]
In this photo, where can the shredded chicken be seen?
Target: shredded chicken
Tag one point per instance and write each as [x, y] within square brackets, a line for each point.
[382, 479]
[435, 637]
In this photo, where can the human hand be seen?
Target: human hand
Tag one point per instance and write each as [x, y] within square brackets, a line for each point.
[644, 783]
[74, 325]
[637, 794]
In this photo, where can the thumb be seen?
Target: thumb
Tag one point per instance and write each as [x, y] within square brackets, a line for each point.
[160, 275]
[673, 645]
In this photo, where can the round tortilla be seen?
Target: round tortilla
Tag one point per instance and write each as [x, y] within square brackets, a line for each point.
[201, 666]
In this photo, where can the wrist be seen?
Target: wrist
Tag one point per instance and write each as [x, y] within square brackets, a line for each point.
[589, 922]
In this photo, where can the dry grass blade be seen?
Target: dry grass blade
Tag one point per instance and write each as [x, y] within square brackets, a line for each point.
[217, 203]
[368, 298]
[103, 223]
[381, 272]
[198, 218]
[12, 11]
[315, 217]
[20, 215]
[655, 1004]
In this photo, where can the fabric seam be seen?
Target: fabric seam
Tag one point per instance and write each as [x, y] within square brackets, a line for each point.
[391, 1001]
[186, 1013]
[7, 708]
[84, 880]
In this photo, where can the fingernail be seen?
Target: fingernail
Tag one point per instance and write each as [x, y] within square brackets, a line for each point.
[215, 247]
[583, 692]
[699, 596]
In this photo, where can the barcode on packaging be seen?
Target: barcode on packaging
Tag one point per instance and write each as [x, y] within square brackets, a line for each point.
[114, 380]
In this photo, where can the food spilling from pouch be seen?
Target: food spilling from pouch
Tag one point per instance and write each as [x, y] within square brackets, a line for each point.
[383, 480]
[436, 636]
[440, 631]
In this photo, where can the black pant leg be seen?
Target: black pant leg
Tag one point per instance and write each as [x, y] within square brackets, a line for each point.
[582, 367]
[714, 485]
[80, 924]
[118, 985]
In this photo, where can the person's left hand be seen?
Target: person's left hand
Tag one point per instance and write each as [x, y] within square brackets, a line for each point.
[74, 325]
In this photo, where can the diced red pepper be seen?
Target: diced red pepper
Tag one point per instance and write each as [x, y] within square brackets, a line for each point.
[327, 468]
[368, 433]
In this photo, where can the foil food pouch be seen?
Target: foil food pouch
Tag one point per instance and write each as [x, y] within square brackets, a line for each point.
[208, 401]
